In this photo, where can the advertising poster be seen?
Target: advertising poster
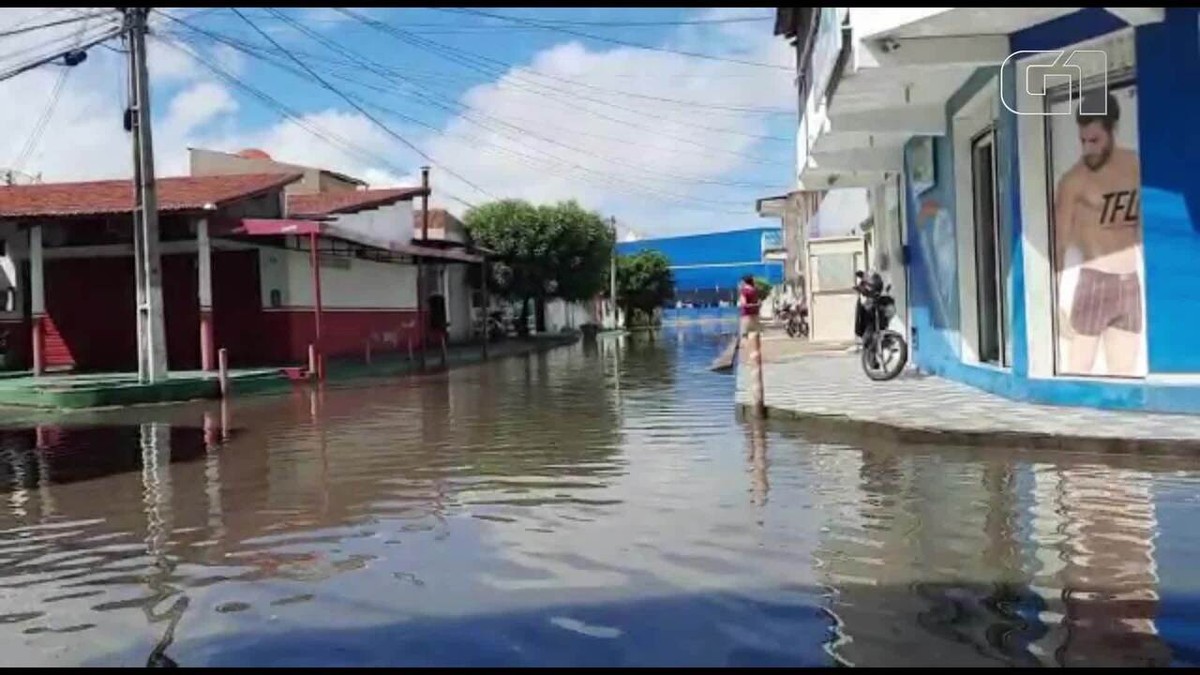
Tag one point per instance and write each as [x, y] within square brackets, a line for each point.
[1096, 234]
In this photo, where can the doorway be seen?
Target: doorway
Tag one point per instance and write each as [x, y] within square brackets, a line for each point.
[991, 253]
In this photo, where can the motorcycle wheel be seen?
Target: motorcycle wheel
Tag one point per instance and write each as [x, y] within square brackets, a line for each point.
[885, 357]
[803, 328]
[791, 329]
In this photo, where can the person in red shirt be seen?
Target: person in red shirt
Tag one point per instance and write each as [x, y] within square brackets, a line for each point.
[749, 304]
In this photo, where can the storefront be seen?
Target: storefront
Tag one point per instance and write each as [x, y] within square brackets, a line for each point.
[1050, 231]
[1056, 214]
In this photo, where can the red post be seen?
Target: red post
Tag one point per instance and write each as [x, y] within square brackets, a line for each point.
[316, 266]
[39, 344]
[206, 340]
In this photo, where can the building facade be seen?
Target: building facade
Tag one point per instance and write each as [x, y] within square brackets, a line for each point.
[1033, 191]
[708, 267]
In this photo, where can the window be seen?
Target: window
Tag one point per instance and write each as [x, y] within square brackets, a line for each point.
[1097, 259]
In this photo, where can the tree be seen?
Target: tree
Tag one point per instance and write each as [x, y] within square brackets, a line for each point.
[550, 251]
[644, 282]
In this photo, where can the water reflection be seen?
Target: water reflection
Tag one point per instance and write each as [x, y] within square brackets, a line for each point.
[598, 506]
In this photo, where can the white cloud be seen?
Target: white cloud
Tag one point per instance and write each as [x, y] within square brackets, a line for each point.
[620, 161]
[197, 105]
[630, 158]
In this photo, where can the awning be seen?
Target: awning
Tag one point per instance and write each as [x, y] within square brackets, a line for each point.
[900, 78]
[273, 227]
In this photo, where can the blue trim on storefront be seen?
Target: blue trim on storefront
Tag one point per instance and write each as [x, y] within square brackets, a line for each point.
[1169, 145]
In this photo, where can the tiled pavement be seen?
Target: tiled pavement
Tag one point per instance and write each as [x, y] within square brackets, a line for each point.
[830, 389]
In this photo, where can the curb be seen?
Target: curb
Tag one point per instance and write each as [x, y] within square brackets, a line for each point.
[844, 424]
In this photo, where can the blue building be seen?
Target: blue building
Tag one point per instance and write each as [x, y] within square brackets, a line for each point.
[1046, 176]
[707, 267]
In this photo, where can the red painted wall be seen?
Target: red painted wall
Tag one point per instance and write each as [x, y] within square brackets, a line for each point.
[288, 332]
[91, 322]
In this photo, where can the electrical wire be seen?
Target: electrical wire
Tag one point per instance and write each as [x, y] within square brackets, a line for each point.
[682, 200]
[13, 72]
[458, 57]
[602, 38]
[366, 114]
[51, 24]
[388, 74]
[43, 121]
[461, 110]
[527, 133]
[430, 45]
[332, 139]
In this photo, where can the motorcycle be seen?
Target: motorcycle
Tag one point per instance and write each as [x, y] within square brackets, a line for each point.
[884, 351]
[795, 320]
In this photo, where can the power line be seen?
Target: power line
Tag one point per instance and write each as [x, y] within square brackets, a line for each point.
[458, 108]
[13, 72]
[458, 56]
[460, 27]
[440, 77]
[555, 162]
[330, 138]
[525, 132]
[411, 38]
[43, 121]
[602, 38]
[51, 24]
[366, 114]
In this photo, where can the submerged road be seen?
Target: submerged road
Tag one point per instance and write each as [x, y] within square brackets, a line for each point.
[588, 506]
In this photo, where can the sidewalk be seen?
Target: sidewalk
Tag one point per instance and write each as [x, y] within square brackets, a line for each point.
[90, 391]
[827, 389]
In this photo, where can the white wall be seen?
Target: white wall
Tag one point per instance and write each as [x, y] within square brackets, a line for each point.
[560, 314]
[841, 212]
[380, 226]
[460, 306]
[364, 284]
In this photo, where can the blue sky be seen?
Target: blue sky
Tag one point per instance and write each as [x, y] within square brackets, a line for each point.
[668, 143]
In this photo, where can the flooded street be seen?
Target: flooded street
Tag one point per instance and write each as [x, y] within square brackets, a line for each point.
[588, 506]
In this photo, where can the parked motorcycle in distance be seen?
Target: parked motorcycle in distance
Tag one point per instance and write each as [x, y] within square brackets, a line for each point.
[795, 320]
[884, 351]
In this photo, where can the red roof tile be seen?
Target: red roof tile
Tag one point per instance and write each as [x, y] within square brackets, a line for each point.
[327, 203]
[188, 193]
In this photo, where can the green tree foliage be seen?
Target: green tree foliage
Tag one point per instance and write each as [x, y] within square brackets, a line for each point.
[644, 282]
[550, 251]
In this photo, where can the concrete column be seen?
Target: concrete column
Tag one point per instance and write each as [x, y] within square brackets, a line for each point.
[37, 298]
[204, 265]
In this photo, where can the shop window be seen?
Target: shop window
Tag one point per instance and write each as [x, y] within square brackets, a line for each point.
[1096, 229]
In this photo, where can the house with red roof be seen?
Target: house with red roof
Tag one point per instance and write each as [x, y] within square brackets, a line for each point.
[262, 263]
[360, 298]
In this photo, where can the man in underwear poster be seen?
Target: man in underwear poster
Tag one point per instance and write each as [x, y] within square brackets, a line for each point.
[1097, 241]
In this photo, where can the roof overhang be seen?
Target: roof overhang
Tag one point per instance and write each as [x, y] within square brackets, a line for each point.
[898, 81]
[270, 227]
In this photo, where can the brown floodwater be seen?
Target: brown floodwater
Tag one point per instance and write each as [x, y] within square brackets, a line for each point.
[589, 506]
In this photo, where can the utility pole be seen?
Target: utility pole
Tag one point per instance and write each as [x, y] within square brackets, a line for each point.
[421, 267]
[612, 273]
[152, 345]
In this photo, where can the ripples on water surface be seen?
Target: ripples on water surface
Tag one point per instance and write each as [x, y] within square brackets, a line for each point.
[583, 507]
